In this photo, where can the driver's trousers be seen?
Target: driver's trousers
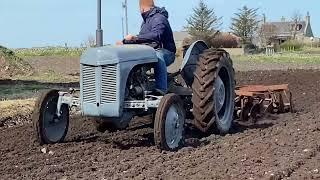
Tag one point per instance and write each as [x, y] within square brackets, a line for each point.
[165, 58]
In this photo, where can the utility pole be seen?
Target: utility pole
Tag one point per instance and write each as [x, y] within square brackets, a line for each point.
[125, 7]
[99, 32]
[122, 21]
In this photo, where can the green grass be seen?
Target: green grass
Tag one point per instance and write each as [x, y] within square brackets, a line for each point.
[49, 51]
[309, 50]
[19, 91]
[49, 77]
[26, 89]
[13, 64]
[287, 57]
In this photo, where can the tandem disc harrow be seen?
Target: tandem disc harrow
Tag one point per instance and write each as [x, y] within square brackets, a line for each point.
[254, 101]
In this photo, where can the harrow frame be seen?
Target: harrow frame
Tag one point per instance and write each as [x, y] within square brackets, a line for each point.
[254, 101]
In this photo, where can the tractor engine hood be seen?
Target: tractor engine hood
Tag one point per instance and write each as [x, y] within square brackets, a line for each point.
[117, 54]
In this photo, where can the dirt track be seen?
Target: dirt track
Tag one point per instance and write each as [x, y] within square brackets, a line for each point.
[277, 147]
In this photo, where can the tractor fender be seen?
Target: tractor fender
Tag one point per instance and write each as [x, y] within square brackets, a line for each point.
[190, 59]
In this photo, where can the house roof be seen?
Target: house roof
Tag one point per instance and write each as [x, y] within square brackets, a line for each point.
[283, 29]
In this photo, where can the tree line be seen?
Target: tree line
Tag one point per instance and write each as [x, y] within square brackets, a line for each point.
[204, 24]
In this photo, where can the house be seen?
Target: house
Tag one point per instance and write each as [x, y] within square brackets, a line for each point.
[281, 31]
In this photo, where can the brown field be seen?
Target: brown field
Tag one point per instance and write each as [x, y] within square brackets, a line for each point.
[277, 147]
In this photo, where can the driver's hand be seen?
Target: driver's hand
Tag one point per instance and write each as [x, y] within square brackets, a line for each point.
[129, 37]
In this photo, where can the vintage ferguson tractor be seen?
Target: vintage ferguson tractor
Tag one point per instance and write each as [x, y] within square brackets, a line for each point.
[117, 84]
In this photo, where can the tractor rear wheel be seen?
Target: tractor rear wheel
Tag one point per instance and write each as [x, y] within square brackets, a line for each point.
[169, 123]
[214, 91]
[50, 128]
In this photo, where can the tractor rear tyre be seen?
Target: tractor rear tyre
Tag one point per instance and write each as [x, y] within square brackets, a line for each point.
[214, 91]
[50, 128]
[169, 123]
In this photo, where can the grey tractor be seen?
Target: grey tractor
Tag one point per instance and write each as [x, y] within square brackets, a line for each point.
[117, 84]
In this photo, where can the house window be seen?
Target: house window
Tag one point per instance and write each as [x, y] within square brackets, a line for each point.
[299, 27]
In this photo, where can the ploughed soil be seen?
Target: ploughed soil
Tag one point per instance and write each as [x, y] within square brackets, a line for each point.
[61, 65]
[277, 147]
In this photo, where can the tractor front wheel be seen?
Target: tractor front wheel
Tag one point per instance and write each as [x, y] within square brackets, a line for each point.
[50, 128]
[169, 123]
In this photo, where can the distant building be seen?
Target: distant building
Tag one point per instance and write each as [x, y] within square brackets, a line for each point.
[179, 36]
[281, 31]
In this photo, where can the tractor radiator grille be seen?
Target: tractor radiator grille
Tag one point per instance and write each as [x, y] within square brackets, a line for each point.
[109, 84]
[89, 81]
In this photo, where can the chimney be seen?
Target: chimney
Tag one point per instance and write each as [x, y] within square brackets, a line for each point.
[264, 18]
[308, 18]
[283, 19]
[308, 31]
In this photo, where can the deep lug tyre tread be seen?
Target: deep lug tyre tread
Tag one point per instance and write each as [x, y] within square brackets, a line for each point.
[203, 88]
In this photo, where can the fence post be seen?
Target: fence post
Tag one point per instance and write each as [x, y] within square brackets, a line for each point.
[270, 51]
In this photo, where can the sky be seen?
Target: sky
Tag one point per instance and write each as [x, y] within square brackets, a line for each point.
[37, 23]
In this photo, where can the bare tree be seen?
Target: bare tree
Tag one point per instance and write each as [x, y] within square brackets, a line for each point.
[296, 18]
[261, 32]
[91, 41]
[266, 32]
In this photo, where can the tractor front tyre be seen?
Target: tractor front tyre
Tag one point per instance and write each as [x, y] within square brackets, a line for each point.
[213, 91]
[169, 123]
[49, 128]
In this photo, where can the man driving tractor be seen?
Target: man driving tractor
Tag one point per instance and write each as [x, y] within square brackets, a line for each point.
[156, 29]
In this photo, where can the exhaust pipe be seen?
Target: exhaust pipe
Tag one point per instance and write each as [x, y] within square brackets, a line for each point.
[99, 32]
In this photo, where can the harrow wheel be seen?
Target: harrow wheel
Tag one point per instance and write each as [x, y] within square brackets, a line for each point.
[169, 123]
[50, 128]
[213, 91]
